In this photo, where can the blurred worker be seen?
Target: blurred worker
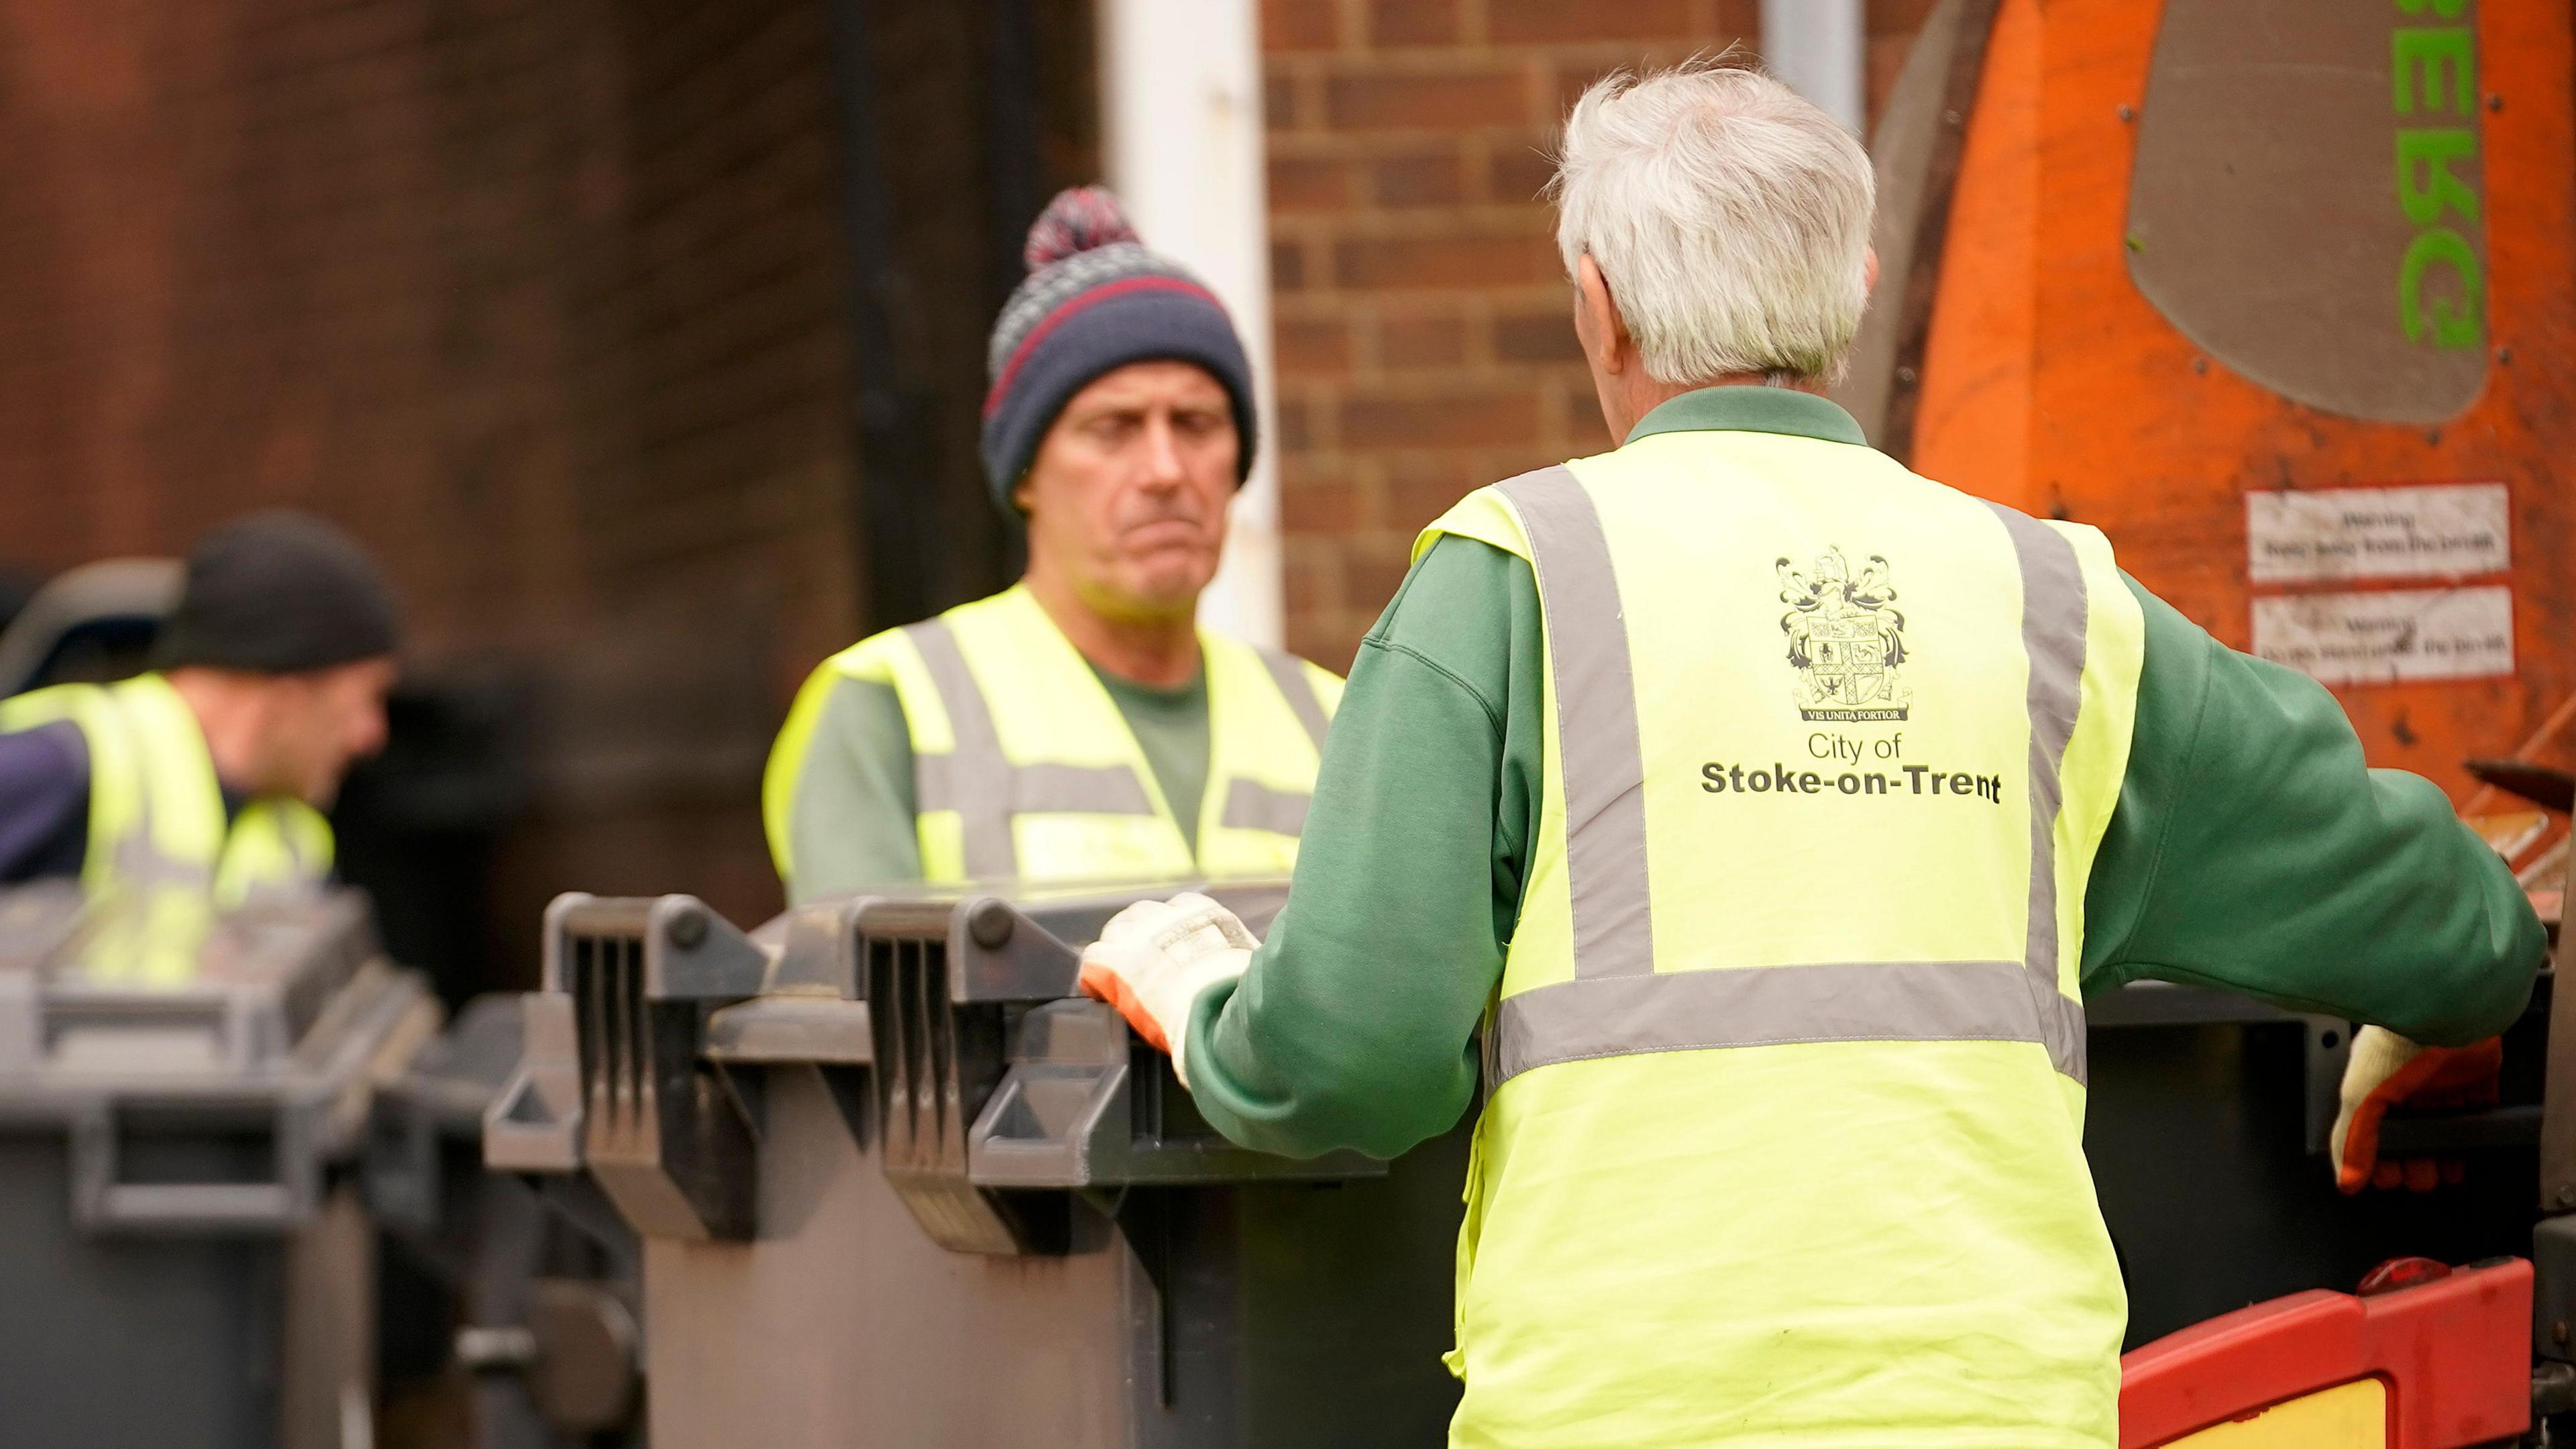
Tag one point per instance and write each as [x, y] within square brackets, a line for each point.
[207, 777]
[1773, 809]
[1079, 725]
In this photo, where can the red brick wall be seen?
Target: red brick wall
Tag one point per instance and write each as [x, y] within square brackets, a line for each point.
[708, 479]
[541, 298]
[438, 268]
[1423, 341]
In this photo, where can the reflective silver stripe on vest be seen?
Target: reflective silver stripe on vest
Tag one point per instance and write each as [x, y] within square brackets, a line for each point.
[2053, 617]
[1596, 716]
[975, 780]
[1617, 1004]
[1043, 788]
[981, 784]
[1250, 805]
[1289, 673]
[1768, 1006]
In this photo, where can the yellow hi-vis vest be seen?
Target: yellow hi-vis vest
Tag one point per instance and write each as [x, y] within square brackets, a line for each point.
[1784, 1139]
[1023, 767]
[161, 852]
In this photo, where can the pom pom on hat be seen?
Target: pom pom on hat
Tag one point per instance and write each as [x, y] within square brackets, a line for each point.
[1080, 219]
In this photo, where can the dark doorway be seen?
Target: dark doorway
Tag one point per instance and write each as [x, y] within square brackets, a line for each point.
[959, 120]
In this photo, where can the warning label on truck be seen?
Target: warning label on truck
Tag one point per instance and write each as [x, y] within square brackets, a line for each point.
[2390, 635]
[2376, 533]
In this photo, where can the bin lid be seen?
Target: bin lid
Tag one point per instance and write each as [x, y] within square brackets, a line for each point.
[271, 988]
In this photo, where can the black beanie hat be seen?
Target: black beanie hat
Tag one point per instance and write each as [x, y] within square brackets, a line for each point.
[278, 592]
[1095, 300]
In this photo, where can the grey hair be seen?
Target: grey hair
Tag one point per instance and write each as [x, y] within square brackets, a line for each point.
[1730, 216]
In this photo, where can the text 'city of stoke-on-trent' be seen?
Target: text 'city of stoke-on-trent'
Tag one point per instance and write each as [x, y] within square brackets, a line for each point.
[1718, 778]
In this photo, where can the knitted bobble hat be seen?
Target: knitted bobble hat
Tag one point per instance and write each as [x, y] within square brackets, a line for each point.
[1096, 300]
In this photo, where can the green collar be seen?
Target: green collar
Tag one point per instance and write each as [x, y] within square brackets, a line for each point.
[1751, 409]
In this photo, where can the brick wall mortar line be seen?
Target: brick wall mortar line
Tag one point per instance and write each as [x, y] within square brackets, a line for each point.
[1439, 63]
[1396, 143]
[1350, 26]
[1479, 221]
[1474, 27]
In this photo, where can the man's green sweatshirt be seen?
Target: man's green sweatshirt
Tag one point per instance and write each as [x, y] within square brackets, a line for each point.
[2251, 850]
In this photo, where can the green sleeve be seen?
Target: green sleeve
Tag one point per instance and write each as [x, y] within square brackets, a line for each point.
[849, 819]
[2253, 851]
[1356, 1024]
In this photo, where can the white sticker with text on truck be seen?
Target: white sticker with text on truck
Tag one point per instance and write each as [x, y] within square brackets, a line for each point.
[2415, 531]
[2390, 635]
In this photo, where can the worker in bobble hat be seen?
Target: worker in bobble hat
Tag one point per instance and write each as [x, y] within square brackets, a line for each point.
[1750, 817]
[1079, 725]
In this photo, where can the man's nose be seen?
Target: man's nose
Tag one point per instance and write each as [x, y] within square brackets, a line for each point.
[371, 733]
[1163, 453]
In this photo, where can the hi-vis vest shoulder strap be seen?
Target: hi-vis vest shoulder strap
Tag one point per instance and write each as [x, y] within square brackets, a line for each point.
[160, 846]
[1024, 768]
[156, 810]
[1793, 996]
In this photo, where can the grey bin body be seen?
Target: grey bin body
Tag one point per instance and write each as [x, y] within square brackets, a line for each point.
[187, 1258]
[535, 1300]
[897, 1185]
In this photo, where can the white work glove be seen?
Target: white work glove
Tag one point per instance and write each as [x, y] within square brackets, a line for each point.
[2386, 1069]
[1154, 958]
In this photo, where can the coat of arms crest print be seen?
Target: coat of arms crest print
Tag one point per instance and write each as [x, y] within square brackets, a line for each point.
[1846, 639]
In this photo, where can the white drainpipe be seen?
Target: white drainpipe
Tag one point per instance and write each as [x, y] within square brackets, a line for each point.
[1820, 48]
[1181, 136]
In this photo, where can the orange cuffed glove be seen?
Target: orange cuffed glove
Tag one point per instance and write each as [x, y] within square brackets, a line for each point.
[2386, 1069]
[1153, 960]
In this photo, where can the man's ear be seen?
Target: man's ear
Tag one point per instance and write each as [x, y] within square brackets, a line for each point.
[1869, 270]
[1597, 323]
